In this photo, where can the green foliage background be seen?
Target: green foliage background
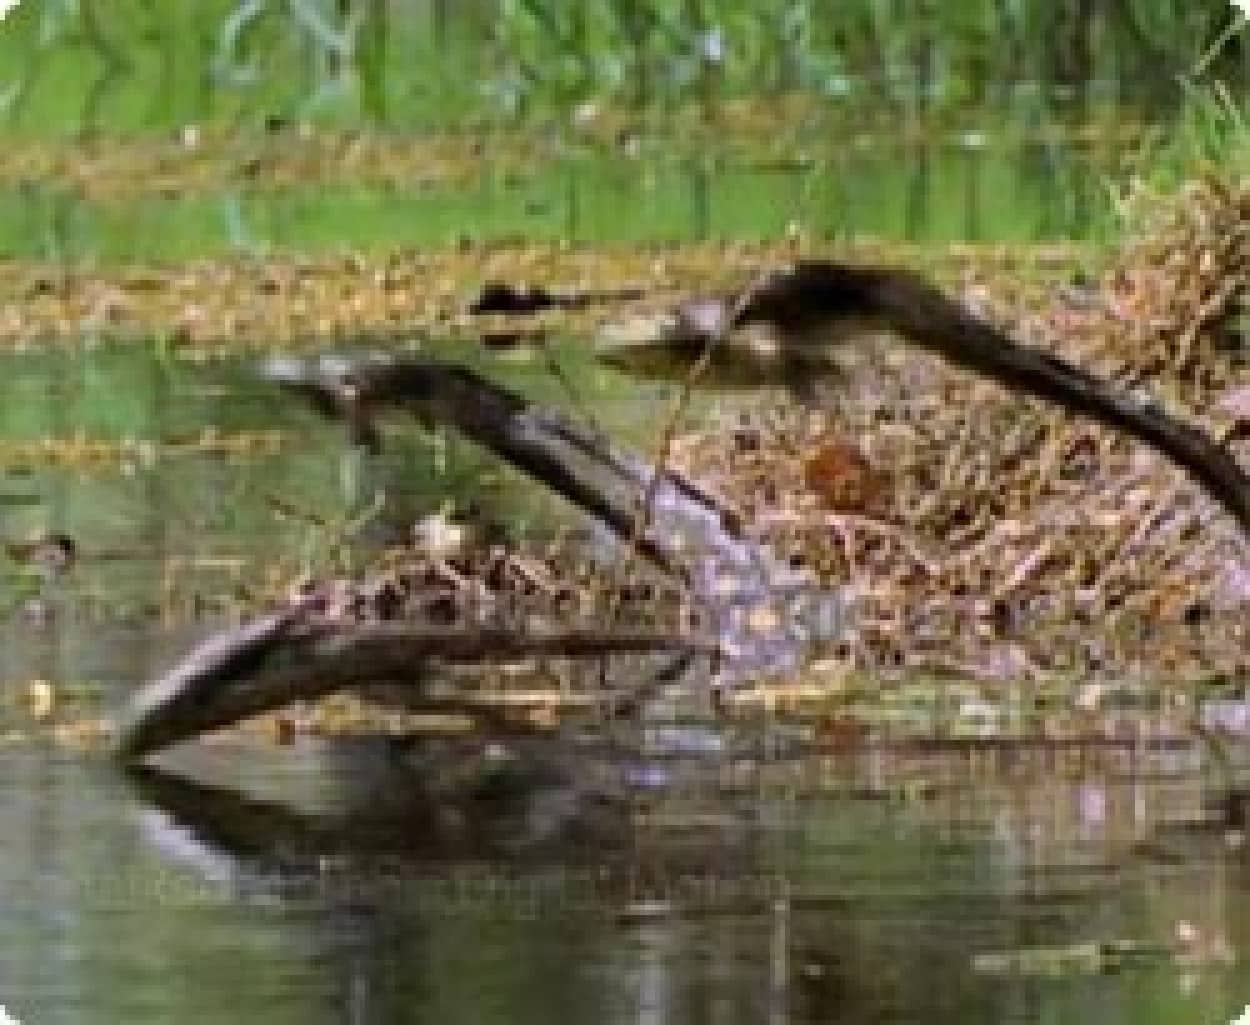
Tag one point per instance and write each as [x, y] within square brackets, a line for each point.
[148, 64]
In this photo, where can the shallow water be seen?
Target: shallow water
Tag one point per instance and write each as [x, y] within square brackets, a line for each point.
[937, 190]
[326, 889]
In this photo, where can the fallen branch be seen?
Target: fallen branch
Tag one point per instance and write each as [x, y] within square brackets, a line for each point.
[284, 657]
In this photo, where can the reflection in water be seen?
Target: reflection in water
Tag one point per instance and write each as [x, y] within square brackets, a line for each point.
[358, 880]
[928, 188]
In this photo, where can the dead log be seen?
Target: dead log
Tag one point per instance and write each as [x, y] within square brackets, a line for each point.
[287, 656]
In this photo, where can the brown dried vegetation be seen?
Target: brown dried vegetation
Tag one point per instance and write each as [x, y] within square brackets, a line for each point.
[1017, 540]
[976, 531]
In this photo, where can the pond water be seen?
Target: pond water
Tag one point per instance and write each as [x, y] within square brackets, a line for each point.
[335, 880]
[971, 187]
[915, 879]
[317, 882]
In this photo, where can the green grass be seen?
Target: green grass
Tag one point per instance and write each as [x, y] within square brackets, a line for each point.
[134, 65]
[970, 66]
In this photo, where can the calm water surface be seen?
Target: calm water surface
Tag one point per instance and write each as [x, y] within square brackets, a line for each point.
[316, 883]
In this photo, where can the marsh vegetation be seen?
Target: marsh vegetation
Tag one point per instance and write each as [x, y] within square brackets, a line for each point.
[933, 706]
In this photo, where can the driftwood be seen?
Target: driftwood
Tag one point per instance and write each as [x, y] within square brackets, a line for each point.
[570, 459]
[817, 305]
[285, 657]
[524, 300]
[816, 297]
[290, 655]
